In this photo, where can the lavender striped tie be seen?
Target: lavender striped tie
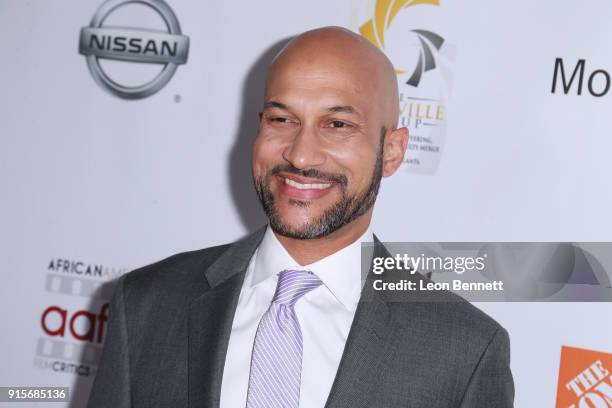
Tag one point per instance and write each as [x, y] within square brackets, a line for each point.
[276, 364]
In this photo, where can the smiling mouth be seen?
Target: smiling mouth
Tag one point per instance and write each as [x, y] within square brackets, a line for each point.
[303, 189]
[306, 186]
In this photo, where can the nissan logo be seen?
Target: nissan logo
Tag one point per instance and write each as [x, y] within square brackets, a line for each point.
[131, 44]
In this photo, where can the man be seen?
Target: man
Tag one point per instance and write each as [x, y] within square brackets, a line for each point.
[282, 318]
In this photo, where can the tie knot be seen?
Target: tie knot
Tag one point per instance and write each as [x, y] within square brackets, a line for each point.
[293, 284]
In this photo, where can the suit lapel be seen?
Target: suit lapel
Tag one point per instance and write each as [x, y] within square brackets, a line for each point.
[210, 322]
[371, 342]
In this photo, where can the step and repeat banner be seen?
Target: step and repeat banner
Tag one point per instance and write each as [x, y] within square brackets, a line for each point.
[125, 137]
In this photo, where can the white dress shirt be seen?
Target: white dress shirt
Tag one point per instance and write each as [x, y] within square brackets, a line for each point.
[325, 315]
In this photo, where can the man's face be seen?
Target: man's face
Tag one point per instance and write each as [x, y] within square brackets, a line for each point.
[317, 160]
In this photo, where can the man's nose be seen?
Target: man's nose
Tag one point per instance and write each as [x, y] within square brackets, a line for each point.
[305, 150]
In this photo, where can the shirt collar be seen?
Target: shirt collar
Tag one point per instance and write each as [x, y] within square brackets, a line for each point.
[340, 272]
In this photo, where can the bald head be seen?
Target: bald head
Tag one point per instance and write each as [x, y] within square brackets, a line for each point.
[351, 59]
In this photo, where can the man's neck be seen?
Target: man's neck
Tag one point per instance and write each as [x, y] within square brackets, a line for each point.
[307, 251]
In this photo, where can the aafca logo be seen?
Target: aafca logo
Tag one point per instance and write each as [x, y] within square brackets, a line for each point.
[584, 379]
[406, 31]
[74, 318]
[108, 38]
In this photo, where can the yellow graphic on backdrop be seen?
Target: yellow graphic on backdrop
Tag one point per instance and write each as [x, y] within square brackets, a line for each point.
[384, 14]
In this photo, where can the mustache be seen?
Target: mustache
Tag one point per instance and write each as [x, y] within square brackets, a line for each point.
[310, 173]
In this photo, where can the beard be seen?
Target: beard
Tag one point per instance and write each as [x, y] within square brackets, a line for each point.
[348, 208]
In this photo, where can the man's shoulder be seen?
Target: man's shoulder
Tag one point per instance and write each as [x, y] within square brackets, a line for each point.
[471, 320]
[186, 275]
[181, 274]
[448, 315]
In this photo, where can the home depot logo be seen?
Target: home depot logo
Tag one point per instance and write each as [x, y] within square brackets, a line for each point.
[584, 379]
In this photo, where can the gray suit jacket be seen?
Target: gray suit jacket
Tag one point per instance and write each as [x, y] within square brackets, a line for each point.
[170, 323]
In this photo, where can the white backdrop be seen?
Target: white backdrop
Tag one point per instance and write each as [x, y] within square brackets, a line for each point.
[89, 177]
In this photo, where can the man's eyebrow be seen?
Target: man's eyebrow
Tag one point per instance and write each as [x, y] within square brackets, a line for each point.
[274, 104]
[332, 109]
[343, 109]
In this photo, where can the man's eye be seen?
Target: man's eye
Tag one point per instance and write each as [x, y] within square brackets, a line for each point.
[279, 120]
[338, 124]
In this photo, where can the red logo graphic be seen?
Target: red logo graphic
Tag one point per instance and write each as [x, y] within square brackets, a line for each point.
[64, 321]
[584, 379]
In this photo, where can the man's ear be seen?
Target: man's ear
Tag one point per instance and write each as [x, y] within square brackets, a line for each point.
[395, 148]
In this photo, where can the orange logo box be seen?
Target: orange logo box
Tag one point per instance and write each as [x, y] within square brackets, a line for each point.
[585, 379]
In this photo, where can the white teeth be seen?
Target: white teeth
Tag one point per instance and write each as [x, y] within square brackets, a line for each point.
[306, 186]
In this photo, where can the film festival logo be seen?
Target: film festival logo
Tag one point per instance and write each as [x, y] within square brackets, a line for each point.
[584, 379]
[421, 58]
[71, 337]
[168, 48]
